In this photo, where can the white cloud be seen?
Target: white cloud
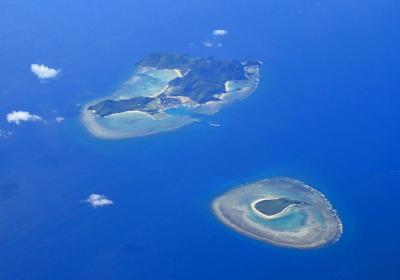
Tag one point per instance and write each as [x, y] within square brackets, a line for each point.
[59, 119]
[208, 44]
[214, 41]
[5, 133]
[44, 72]
[98, 200]
[20, 116]
[220, 32]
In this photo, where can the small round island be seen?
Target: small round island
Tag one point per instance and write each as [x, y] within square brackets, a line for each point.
[280, 211]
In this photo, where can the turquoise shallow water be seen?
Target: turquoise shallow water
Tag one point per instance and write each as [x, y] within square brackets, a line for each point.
[288, 222]
[298, 227]
[145, 84]
[152, 82]
[326, 112]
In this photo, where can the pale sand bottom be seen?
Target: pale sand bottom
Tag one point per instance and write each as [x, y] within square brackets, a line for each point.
[146, 81]
[152, 83]
[270, 217]
[313, 225]
[131, 124]
[234, 91]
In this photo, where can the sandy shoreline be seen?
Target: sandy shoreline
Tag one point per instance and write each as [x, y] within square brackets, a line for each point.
[170, 123]
[143, 124]
[321, 226]
[88, 119]
[269, 217]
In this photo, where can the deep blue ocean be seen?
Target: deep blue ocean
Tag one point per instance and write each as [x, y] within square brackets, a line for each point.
[326, 112]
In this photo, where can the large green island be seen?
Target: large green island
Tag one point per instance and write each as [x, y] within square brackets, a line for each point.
[168, 91]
